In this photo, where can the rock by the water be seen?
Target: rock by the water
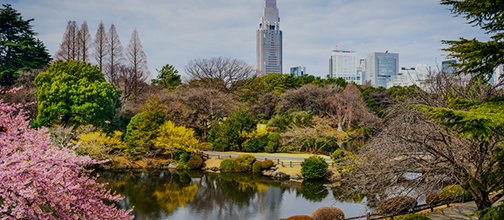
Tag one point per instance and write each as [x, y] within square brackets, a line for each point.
[215, 169]
[280, 175]
[296, 177]
[172, 165]
[267, 172]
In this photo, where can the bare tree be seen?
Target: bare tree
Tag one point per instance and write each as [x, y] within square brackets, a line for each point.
[100, 46]
[134, 74]
[84, 39]
[69, 48]
[115, 56]
[210, 106]
[306, 98]
[417, 154]
[131, 82]
[225, 74]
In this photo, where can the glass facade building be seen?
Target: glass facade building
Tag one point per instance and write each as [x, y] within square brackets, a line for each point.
[269, 39]
[381, 68]
[298, 70]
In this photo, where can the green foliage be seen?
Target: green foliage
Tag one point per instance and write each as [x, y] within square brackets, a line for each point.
[477, 58]
[167, 77]
[228, 132]
[143, 128]
[494, 213]
[257, 167]
[184, 157]
[227, 165]
[314, 167]
[314, 191]
[252, 146]
[269, 149]
[73, 93]
[196, 162]
[267, 164]
[19, 50]
[452, 191]
[243, 163]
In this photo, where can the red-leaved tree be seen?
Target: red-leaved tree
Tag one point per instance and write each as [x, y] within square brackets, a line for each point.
[41, 181]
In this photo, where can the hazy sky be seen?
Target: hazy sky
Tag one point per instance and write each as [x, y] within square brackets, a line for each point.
[176, 31]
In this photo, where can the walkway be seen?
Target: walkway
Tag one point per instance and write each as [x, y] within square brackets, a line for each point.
[459, 212]
[272, 156]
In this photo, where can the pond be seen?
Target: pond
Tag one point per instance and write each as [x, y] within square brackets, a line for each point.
[181, 194]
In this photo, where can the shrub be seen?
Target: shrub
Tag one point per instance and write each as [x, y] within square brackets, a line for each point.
[227, 165]
[433, 197]
[195, 162]
[452, 191]
[328, 213]
[184, 158]
[313, 167]
[257, 167]
[252, 145]
[397, 204]
[269, 149]
[267, 164]
[414, 217]
[243, 163]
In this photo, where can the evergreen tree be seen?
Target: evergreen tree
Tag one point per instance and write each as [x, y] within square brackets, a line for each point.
[167, 77]
[18, 47]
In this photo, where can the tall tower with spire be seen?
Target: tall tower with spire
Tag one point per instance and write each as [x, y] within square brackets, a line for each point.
[269, 39]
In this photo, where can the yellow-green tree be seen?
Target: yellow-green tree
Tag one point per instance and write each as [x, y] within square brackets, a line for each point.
[99, 146]
[171, 138]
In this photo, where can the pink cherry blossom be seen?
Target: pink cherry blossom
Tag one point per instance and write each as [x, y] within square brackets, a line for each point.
[41, 181]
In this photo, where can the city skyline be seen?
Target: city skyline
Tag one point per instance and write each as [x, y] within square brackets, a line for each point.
[175, 32]
[269, 40]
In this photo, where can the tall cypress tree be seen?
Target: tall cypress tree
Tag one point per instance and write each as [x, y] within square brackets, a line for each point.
[19, 50]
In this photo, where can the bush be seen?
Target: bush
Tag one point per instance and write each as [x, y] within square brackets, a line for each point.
[452, 191]
[314, 167]
[196, 162]
[257, 167]
[328, 213]
[267, 164]
[269, 149]
[227, 165]
[433, 197]
[243, 163]
[184, 158]
[252, 145]
[414, 217]
[397, 204]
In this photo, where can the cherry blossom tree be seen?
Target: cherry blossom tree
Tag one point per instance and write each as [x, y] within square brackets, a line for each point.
[41, 181]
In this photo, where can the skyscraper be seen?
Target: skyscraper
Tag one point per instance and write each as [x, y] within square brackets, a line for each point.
[343, 64]
[269, 39]
[381, 67]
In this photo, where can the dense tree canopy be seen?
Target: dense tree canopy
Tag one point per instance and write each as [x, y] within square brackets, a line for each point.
[18, 47]
[72, 93]
[476, 57]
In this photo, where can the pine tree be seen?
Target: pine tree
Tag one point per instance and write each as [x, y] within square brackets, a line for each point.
[100, 46]
[18, 47]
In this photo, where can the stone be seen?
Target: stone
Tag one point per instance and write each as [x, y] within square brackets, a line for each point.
[280, 175]
[172, 165]
[215, 169]
[267, 172]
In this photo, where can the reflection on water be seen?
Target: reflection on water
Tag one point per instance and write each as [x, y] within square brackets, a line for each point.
[199, 195]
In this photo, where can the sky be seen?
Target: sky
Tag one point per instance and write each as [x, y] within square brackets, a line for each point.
[177, 31]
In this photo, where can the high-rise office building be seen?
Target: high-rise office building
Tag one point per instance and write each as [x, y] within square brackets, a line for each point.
[298, 70]
[343, 64]
[381, 67]
[446, 66]
[269, 39]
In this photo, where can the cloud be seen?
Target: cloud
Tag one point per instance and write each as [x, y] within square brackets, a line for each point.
[175, 32]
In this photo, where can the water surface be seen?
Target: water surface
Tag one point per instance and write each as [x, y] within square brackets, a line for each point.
[200, 195]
